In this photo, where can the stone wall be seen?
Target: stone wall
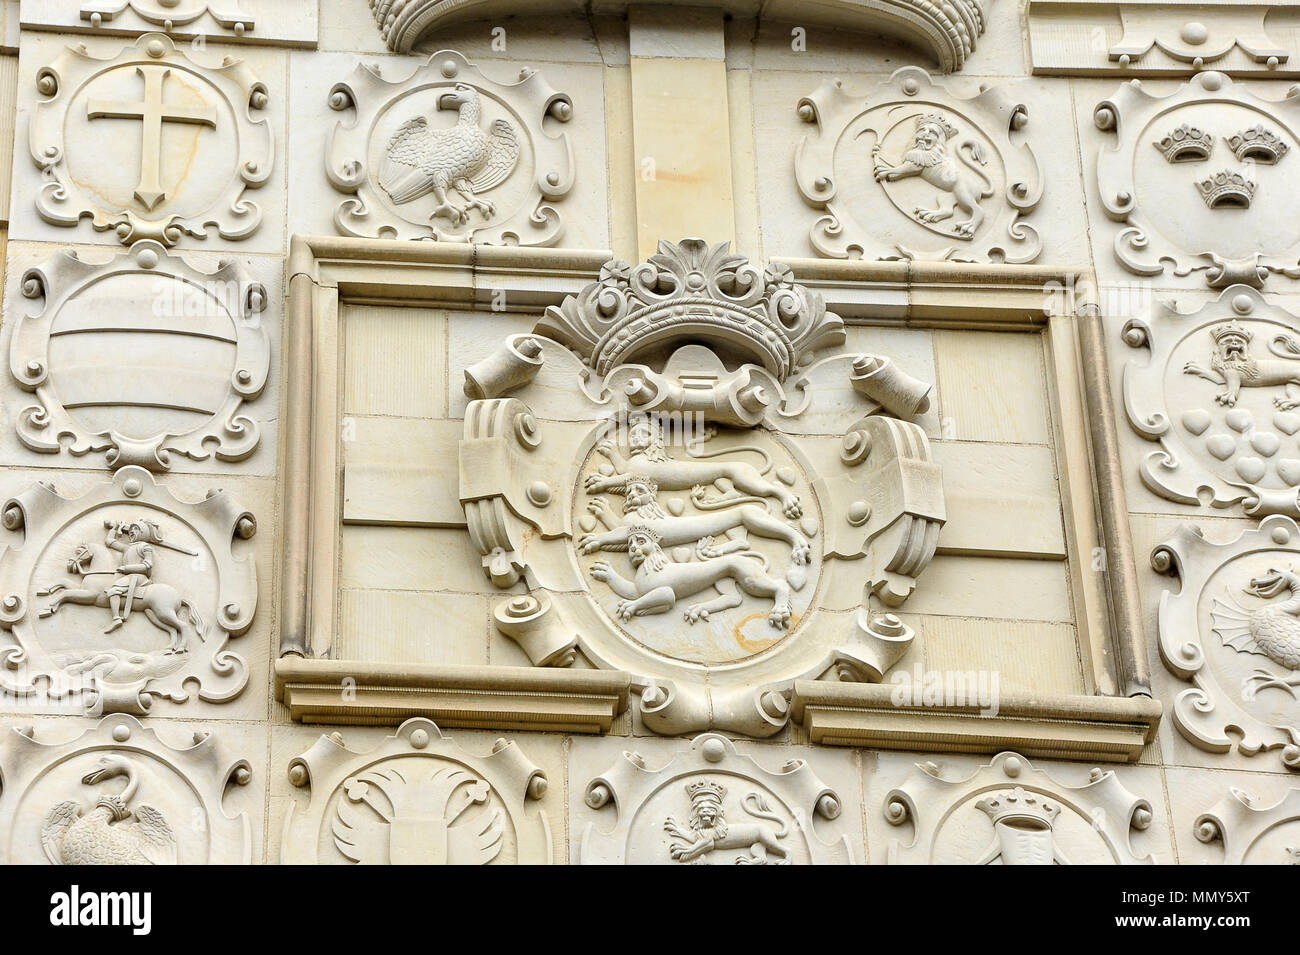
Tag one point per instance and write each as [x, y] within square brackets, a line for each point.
[598, 433]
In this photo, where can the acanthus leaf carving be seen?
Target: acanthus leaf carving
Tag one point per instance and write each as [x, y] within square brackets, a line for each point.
[218, 359]
[448, 154]
[956, 175]
[1232, 630]
[712, 805]
[417, 798]
[152, 83]
[146, 589]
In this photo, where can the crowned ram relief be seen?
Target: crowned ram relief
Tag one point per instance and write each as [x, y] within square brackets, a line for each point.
[698, 523]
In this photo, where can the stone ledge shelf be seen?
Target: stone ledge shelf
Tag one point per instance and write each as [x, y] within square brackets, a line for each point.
[1085, 728]
[947, 29]
[503, 698]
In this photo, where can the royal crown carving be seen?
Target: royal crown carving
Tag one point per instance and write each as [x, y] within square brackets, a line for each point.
[416, 799]
[667, 525]
[195, 353]
[948, 29]
[1027, 817]
[1251, 833]
[1248, 225]
[1186, 144]
[446, 153]
[691, 290]
[197, 120]
[953, 177]
[711, 805]
[1233, 631]
[1218, 393]
[120, 794]
[123, 596]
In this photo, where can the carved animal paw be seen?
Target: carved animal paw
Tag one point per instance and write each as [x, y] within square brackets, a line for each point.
[626, 610]
[966, 229]
[597, 483]
[780, 617]
[1285, 404]
[791, 508]
[589, 544]
[601, 570]
[696, 612]
[801, 553]
[1226, 400]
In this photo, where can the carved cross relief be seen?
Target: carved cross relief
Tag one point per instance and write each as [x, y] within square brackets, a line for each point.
[153, 112]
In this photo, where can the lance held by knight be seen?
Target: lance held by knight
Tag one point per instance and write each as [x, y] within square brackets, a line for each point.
[134, 540]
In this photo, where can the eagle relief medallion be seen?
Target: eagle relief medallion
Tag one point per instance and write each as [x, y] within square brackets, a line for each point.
[449, 154]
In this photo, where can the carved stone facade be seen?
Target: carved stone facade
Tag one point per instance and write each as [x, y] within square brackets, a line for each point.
[486, 432]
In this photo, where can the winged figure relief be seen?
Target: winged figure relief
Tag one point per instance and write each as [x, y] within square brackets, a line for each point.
[417, 821]
[420, 159]
[112, 832]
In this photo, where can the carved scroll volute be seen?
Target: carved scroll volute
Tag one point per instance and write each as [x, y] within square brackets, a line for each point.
[507, 486]
[890, 494]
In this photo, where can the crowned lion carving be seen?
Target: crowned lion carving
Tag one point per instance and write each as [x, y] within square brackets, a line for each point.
[659, 581]
[1233, 366]
[961, 185]
[709, 831]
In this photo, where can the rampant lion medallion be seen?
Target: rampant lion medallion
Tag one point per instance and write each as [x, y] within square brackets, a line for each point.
[958, 172]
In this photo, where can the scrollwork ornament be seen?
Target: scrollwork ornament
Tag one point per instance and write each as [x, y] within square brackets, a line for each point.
[448, 154]
[417, 798]
[1029, 818]
[712, 805]
[154, 84]
[914, 172]
[668, 486]
[124, 596]
[1232, 631]
[1215, 225]
[121, 794]
[203, 350]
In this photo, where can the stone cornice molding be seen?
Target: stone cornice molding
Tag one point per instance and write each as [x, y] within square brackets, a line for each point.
[947, 29]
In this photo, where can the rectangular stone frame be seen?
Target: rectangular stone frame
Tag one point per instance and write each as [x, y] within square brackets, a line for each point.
[326, 273]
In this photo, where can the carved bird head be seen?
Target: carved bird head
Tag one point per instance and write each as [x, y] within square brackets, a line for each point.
[462, 95]
[1270, 584]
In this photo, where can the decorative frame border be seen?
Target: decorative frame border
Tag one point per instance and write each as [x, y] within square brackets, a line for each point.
[326, 273]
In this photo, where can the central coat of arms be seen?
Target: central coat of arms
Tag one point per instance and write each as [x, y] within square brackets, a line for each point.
[686, 448]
